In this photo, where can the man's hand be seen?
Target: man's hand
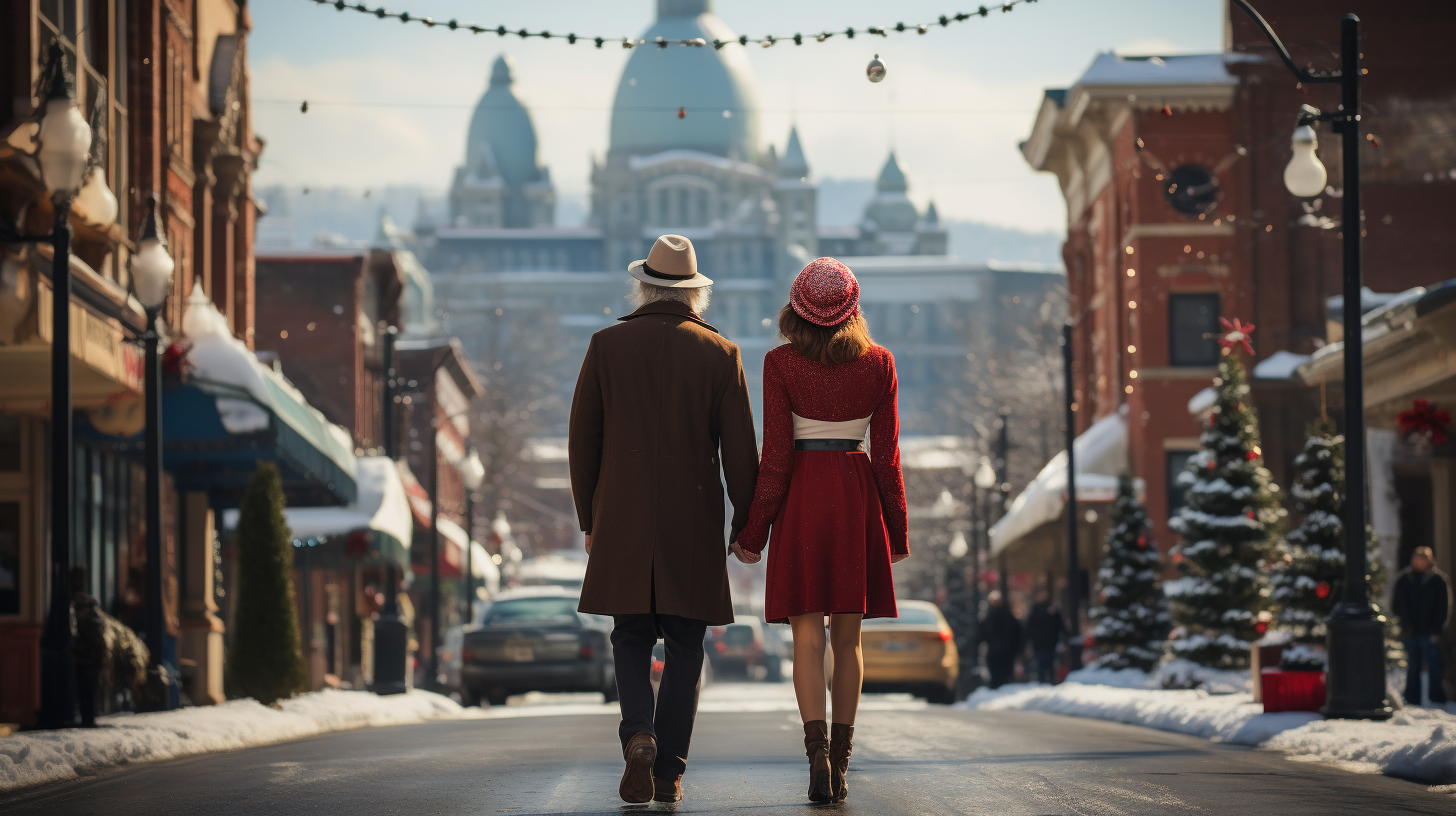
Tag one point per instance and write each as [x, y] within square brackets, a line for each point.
[744, 555]
[588, 543]
[896, 558]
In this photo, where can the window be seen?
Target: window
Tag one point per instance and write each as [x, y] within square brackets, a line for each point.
[1177, 461]
[9, 558]
[1193, 329]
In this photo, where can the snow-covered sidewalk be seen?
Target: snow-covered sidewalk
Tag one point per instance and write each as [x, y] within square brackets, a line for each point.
[1417, 743]
[36, 757]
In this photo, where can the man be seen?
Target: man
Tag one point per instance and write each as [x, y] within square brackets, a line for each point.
[1045, 628]
[659, 395]
[1001, 632]
[1422, 601]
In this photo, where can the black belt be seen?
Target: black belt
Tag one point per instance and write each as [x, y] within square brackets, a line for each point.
[828, 444]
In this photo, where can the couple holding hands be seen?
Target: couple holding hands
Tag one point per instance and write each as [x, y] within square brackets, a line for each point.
[661, 407]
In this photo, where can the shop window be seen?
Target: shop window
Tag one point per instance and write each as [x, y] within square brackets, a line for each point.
[1193, 329]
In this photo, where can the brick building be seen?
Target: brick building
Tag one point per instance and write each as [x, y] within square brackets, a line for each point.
[1171, 168]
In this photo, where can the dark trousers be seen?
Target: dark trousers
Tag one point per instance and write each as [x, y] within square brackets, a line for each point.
[1002, 668]
[1420, 649]
[633, 637]
[1046, 665]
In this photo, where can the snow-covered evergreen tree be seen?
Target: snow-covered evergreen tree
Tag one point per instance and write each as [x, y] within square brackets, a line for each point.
[1226, 527]
[1308, 577]
[1131, 616]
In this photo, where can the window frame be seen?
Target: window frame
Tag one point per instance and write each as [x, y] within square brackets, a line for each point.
[1176, 360]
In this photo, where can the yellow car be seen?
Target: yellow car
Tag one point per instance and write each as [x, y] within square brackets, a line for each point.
[914, 652]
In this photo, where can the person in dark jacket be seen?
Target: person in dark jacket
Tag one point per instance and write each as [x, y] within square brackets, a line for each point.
[1001, 632]
[1045, 629]
[1422, 601]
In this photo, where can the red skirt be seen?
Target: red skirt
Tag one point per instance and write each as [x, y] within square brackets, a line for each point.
[829, 551]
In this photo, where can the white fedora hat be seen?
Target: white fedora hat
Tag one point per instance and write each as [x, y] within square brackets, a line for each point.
[671, 263]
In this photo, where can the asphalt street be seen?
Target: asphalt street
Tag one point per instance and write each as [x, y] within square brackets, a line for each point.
[909, 759]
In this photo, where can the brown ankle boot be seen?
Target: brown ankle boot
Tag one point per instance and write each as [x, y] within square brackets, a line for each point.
[640, 752]
[841, 742]
[667, 790]
[816, 746]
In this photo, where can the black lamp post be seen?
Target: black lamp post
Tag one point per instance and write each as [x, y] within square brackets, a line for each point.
[151, 270]
[1356, 683]
[64, 141]
[1074, 566]
[391, 635]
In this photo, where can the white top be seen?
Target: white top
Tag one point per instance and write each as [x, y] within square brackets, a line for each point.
[819, 429]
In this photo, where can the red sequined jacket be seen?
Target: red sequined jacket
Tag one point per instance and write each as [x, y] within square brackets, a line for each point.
[794, 384]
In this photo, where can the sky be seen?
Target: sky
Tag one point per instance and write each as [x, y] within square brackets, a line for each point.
[388, 103]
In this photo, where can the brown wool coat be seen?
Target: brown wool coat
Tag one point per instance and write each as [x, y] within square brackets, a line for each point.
[658, 396]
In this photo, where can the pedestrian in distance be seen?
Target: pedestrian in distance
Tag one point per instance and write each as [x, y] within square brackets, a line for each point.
[837, 511]
[1422, 602]
[1001, 632]
[1045, 630]
[661, 400]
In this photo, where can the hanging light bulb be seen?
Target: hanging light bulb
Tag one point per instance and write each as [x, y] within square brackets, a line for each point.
[65, 136]
[152, 265]
[1305, 176]
[876, 69]
[958, 546]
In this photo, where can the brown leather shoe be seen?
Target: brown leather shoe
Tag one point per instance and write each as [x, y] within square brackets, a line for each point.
[640, 753]
[816, 747]
[841, 742]
[667, 790]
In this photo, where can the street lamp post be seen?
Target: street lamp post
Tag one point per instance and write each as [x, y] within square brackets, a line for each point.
[391, 635]
[1074, 567]
[151, 270]
[1356, 681]
[64, 147]
[982, 483]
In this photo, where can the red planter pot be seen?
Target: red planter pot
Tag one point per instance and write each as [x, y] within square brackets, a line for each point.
[1292, 690]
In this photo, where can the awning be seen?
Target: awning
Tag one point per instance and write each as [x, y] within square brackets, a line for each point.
[1101, 457]
[482, 566]
[375, 529]
[233, 410]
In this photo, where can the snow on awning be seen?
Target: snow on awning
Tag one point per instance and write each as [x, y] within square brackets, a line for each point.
[381, 508]
[1101, 456]
[482, 566]
[253, 398]
[1280, 365]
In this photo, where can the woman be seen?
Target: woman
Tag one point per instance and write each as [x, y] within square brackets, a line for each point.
[838, 515]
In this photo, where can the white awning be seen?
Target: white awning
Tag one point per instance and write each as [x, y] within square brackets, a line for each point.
[1101, 457]
[382, 507]
[482, 566]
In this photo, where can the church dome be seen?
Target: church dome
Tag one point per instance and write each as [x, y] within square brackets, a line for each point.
[891, 209]
[707, 82]
[502, 138]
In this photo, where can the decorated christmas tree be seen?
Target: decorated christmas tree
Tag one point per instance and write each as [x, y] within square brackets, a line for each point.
[1131, 615]
[1309, 575]
[1226, 526]
[266, 661]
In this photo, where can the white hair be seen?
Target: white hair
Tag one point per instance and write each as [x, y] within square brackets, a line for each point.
[645, 293]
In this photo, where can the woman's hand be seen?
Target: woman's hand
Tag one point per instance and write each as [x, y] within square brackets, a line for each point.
[896, 558]
[744, 555]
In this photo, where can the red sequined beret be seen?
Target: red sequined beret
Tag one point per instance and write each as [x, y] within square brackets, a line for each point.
[825, 292]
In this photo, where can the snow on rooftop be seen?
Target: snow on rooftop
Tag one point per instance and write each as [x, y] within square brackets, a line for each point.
[1203, 401]
[1278, 366]
[1186, 69]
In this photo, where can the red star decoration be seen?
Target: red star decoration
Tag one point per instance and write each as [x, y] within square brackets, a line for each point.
[1237, 334]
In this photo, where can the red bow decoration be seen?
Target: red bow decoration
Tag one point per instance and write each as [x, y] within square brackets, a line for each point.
[1238, 334]
[1425, 419]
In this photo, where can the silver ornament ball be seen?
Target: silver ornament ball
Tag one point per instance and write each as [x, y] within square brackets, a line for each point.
[876, 69]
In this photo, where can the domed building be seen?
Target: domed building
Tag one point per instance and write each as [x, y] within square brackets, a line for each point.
[502, 183]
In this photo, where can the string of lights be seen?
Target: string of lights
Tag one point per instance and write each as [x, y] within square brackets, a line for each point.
[766, 41]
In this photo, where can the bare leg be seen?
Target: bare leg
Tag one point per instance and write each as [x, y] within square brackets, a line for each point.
[848, 666]
[809, 664]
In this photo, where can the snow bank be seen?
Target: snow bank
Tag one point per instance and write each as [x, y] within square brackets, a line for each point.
[36, 757]
[1416, 743]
